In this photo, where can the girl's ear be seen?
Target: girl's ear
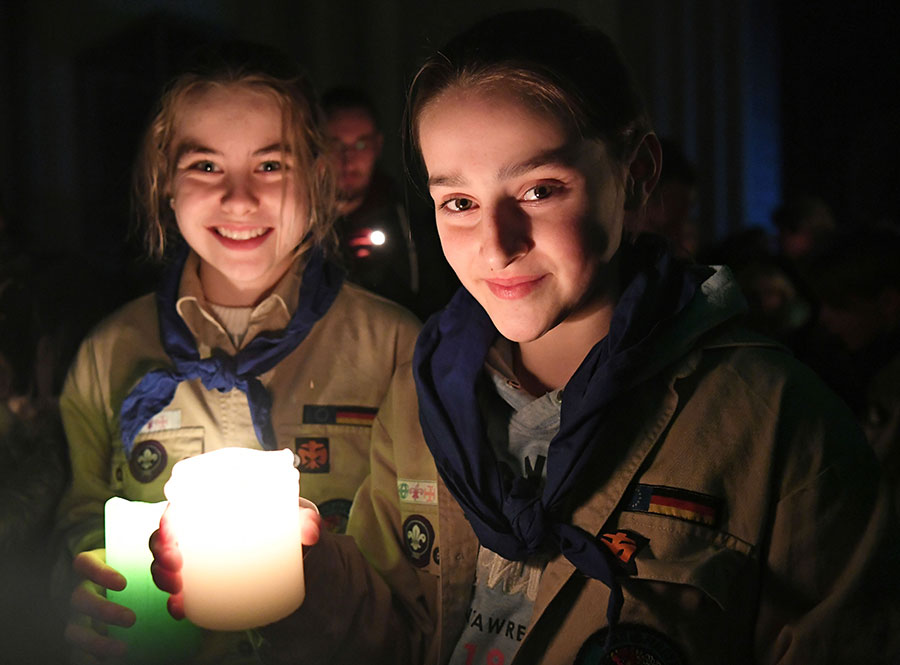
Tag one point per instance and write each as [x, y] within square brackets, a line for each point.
[643, 172]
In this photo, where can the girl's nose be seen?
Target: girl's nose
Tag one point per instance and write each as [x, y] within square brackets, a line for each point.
[505, 234]
[239, 197]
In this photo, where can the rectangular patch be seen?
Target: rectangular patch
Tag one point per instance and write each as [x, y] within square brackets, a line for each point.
[314, 453]
[165, 420]
[417, 491]
[325, 414]
[673, 502]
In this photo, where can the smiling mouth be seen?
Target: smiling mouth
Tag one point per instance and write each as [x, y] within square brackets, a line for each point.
[512, 289]
[241, 234]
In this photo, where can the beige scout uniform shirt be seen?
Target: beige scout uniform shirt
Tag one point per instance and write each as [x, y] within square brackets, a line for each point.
[324, 395]
[798, 566]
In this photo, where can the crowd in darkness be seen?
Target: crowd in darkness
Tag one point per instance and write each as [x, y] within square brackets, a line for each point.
[827, 290]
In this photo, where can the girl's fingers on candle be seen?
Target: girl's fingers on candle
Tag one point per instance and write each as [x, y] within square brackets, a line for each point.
[164, 533]
[175, 605]
[165, 551]
[90, 642]
[92, 566]
[310, 526]
[166, 578]
[88, 601]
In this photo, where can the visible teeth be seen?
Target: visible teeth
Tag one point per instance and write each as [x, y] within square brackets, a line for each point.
[240, 234]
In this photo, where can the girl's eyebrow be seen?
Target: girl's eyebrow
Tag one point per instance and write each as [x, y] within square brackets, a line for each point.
[191, 147]
[274, 147]
[446, 180]
[563, 156]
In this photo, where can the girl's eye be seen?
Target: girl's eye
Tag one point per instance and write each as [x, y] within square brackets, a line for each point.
[270, 166]
[205, 166]
[458, 205]
[539, 192]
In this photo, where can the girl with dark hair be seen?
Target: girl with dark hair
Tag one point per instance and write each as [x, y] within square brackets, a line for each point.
[605, 468]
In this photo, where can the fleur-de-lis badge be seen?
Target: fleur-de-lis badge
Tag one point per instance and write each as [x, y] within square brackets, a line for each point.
[416, 537]
[419, 539]
[147, 458]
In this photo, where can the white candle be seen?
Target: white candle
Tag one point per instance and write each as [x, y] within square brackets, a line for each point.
[235, 514]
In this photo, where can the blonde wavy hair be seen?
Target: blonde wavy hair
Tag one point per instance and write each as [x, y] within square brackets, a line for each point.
[260, 69]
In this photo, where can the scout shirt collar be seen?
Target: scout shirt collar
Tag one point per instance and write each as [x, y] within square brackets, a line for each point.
[221, 371]
[273, 313]
[509, 514]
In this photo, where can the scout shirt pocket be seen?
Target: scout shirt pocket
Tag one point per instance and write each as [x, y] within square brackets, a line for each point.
[141, 476]
[685, 553]
[332, 444]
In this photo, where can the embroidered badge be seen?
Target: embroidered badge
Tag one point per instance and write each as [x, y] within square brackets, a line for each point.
[148, 459]
[417, 491]
[324, 414]
[419, 536]
[334, 514]
[624, 545]
[630, 645]
[166, 420]
[683, 504]
[313, 453]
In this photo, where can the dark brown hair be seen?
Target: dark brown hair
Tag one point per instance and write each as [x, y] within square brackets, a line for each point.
[553, 61]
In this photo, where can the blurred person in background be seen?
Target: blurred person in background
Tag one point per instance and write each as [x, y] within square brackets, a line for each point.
[373, 228]
[857, 279]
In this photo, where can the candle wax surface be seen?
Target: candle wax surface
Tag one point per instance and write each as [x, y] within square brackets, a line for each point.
[236, 516]
[155, 637]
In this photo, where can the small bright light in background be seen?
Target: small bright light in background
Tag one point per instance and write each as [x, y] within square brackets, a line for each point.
[377, 237]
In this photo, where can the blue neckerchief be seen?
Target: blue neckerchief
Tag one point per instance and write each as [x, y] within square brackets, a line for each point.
[505, 510]
[321, 282]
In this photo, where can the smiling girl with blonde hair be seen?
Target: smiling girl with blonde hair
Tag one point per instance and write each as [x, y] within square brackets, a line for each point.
[253, 339]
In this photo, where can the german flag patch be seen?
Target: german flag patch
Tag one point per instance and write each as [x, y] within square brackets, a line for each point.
[325, 414]
[673, 502]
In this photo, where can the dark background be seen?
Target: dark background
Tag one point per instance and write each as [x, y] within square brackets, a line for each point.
[768, 99]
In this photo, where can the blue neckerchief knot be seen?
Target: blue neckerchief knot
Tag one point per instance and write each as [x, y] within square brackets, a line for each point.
[320, 285]
[510, 515]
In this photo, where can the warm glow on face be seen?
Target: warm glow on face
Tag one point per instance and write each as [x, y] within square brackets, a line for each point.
[528, 217]
[234, 196]
[235, 514]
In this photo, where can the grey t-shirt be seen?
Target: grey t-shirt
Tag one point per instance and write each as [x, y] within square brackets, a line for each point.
[519, 427]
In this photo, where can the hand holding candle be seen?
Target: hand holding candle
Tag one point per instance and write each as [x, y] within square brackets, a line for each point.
[91, 608]
[167, 560]
[228, 547]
